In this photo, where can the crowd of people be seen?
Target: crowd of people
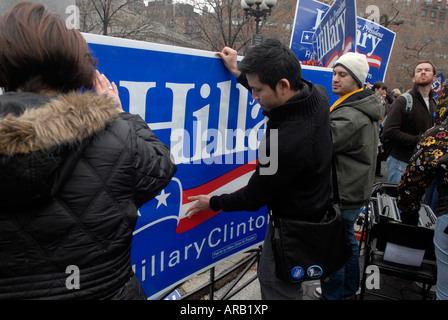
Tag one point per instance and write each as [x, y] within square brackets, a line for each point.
[415, 130]
[57, 135]
[413, 144]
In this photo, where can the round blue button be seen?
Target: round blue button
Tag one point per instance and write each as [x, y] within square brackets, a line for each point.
[297, 272]
[314, 272]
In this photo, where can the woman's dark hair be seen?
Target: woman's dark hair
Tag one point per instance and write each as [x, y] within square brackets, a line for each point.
[39, 52]
[379, 85]
[272, 61]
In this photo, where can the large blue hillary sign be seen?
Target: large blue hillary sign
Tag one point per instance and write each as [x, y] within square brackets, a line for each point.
[372, 39]
[213, 128]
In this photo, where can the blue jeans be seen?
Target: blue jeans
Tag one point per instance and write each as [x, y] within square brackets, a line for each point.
[345, 282]
[432, 196]
[441, 249]
[395, 169]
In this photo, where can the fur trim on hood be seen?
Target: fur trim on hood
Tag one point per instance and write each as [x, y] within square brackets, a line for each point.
[67, 119]
[41, 139]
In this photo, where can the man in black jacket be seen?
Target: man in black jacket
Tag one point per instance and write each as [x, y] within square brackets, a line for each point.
[404, 127]
[299, 125]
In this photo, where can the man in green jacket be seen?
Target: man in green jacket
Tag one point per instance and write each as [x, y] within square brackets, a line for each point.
[354, 126]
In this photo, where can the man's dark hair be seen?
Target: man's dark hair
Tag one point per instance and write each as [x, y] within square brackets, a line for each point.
[272, 61]
[424, 61]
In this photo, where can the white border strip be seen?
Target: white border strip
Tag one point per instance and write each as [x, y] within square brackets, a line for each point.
[137, 44]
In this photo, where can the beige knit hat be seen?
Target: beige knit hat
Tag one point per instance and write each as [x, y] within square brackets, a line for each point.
[356, 64]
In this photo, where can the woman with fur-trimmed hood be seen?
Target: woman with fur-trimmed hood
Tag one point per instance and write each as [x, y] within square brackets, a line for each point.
[74, 168]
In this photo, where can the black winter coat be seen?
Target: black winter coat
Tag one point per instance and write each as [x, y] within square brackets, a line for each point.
[73, 173]
[403, 129]
[300, 186]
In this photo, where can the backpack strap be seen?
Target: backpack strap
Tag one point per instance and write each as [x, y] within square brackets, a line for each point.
[409, 101]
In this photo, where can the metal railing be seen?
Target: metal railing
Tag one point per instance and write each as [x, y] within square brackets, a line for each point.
[241, 268]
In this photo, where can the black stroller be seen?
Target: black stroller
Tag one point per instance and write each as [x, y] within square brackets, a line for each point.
[395, 248]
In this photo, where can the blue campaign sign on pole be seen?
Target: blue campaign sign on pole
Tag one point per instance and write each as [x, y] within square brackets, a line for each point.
[373, 40]
[336, 33]
[376, 42]
[309, 13]
[213, 128]
[437, 85]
